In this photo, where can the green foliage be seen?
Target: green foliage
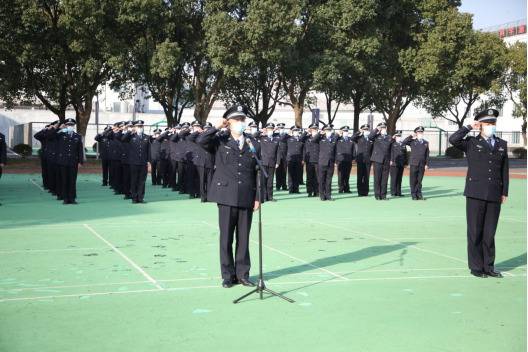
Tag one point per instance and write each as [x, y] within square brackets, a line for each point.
[454, 153]
[519, 153]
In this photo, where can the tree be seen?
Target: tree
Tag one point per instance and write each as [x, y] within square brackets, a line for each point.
[403, 28]
[514, 81]
[63, 51]
[351, 44]
[247, 41]
[457, 66]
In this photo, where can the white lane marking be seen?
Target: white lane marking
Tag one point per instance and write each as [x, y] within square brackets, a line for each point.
[75, 286]
[270, 283]
[50, 250]
[33, 182]
[137, 267]
[292, 257]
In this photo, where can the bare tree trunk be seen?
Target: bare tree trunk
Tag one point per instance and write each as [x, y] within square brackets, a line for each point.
[83, 112]
[392, 118]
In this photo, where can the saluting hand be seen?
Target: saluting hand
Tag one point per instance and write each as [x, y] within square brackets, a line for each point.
[256, 206]
[503, 199]
[475, 125]
[221, 124]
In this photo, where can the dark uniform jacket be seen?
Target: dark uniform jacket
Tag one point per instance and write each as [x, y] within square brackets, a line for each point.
[114, 148]
[295, 147]
[164, 149]
[69, 148]
[3, 149]
[138, 148]
[327, 150]
[363, 148]
[487, 176]
[398, 154]
[311, 150]
[41, 136]
[419, 151]
[104, 145]
[155, 149]
[201, 157]
[234, 179]
[344, 149]
[283, 148]
[381, 148]
[269, 149]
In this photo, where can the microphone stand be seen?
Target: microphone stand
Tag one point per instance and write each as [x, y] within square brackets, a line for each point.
[261, 286]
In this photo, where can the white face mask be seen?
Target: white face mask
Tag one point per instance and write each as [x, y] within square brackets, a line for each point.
[489, 131]
[282, 131]
[238, 127]
[253, 130]
[419, 136]
[69, 129]
[139, 131]
[345, 134]
[296, 134]
[366, 133]
[397, 139]
[383, 132]
[329, 133]
[269, 133]
[314, 133]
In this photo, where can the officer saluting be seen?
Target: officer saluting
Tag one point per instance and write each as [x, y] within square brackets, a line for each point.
[486, 189]
[138, 155]
[344, 157]
[381, 159]
[233, 188]
[364, 151]
[397, 164]
[70, 154]
[419, 161]
[269, 144]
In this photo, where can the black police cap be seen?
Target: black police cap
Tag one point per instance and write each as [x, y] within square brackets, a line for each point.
[70, 122]
[489, 115]
[365, 127]
[236, 112]
[419, 129]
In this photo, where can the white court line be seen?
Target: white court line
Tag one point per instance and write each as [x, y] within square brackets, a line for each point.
[137, 267]
[292, 257]
[50, 250]
[270, 283]
[396, 242]
[74, 286]
[33, 182]
[219, 277]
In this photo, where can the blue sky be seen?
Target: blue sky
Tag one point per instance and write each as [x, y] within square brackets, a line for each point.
[489, 13]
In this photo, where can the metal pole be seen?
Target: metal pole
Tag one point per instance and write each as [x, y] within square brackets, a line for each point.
[97, 125]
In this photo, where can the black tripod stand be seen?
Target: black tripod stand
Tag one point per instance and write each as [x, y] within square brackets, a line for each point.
[261, 287]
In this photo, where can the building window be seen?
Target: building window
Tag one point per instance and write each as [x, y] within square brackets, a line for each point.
[516, 138]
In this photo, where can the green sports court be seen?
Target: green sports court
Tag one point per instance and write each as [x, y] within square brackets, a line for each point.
[107, 275]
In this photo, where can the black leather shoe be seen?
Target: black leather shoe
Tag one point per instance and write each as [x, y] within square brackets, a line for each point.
[73, 202]
[478, 274]
[227, 283]
[493, 273]
[246, 282]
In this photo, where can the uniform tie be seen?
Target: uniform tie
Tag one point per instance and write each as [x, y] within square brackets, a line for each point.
[241, 143]
[490, 142]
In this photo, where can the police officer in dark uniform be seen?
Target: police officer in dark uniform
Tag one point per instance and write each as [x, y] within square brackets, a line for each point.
[192, 179]
[280, 176]
[381, 159]
[419, 161]
[125, 161]
[344, 156]
[487, 183]
[294, 158]
[398, 161]
[253, 130]
[164, 162]
[54, 184]
[326, 162]
[42, 138]
[204, 162]
[311, 160]
[269, 144]
[103, 143]
[180, 147]
[155, 157]
[233, 188]
[70, 154]
[138, 147]
[114, 153]
[364, 151]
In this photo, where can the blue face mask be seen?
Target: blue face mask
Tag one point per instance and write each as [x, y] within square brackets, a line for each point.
[69, 129]
[489, 131]
[238, 127]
